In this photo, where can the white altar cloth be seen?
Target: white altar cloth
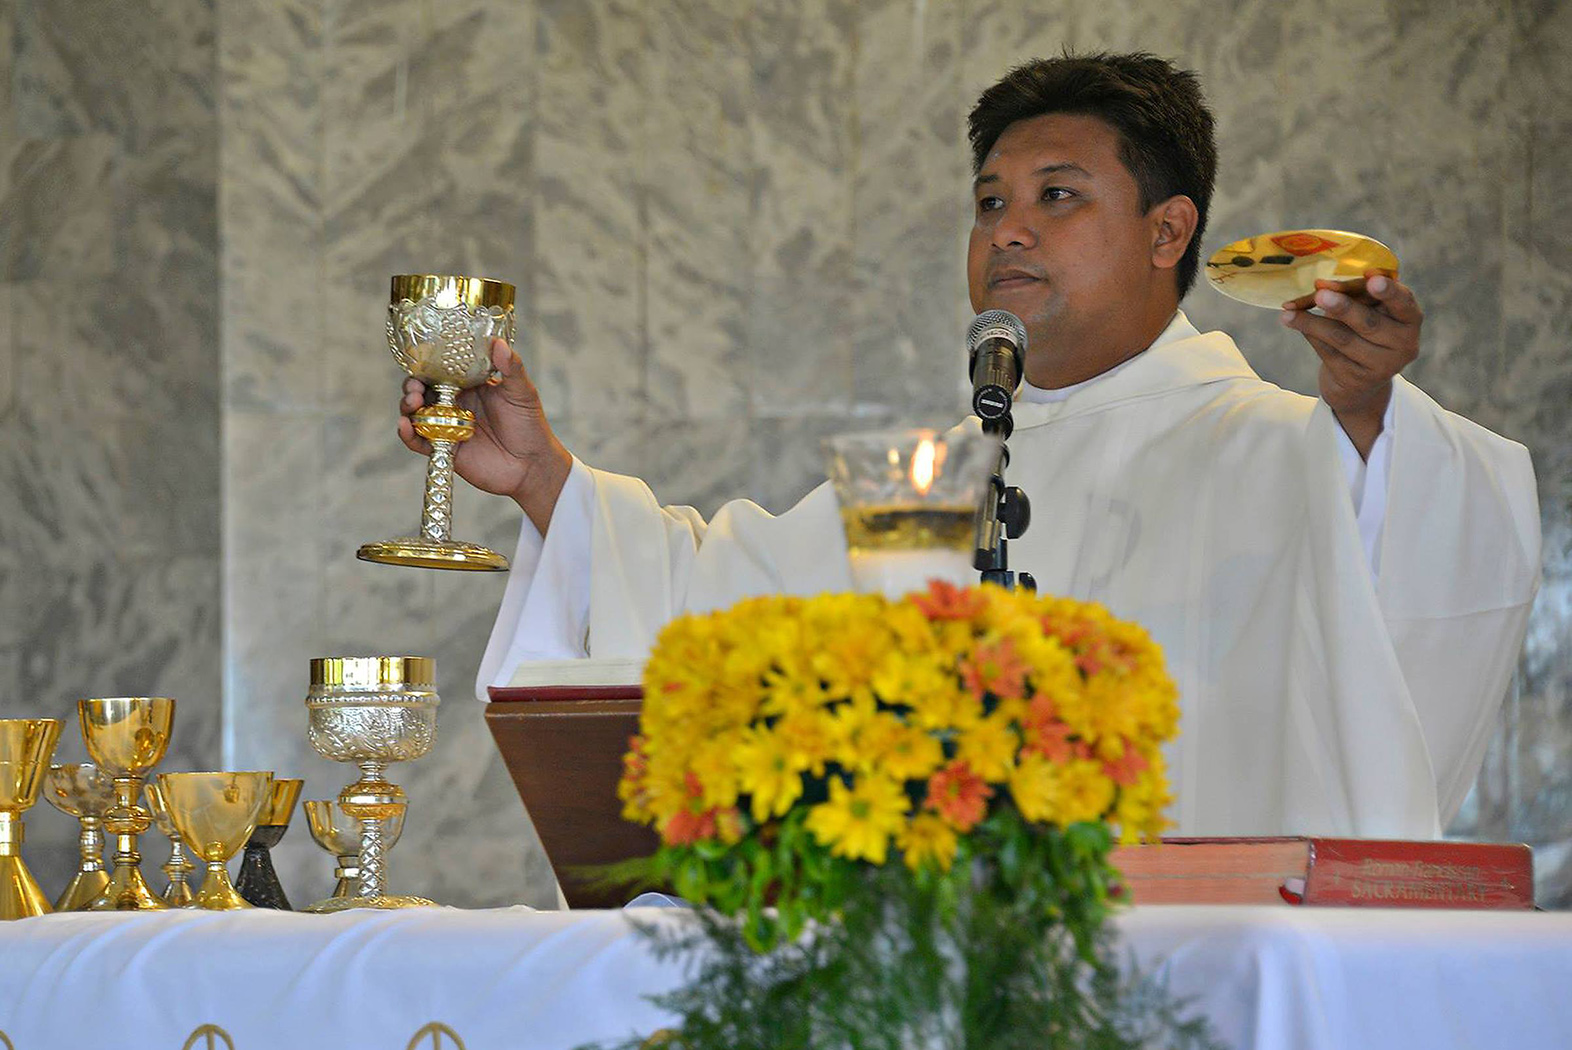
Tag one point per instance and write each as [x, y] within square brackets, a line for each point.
[446, 979]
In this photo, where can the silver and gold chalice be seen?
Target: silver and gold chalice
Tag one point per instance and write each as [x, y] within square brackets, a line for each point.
[127, 736]
[83, 791]
[372, 710]
[440, 329]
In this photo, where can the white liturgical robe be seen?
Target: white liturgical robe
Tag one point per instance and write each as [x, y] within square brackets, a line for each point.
[1184, 493]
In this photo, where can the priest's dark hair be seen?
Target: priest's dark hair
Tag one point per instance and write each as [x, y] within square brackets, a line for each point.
[1164, 126]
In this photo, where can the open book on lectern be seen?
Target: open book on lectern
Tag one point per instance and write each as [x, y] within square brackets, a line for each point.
[595, 671]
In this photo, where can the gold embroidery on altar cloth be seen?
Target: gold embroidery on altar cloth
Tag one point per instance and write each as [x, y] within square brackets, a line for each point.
[208, 1032]
[438, 1032]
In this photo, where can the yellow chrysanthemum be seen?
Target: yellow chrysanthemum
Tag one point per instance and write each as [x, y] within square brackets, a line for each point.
[927, 839]
[988, 747]
[886, 744]
[1051, 793]
[766, 772]
[857, 822]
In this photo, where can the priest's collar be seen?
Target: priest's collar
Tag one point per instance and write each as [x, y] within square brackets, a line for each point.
[1180, 357]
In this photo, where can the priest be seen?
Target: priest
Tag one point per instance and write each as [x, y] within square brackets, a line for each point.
[1340, 584]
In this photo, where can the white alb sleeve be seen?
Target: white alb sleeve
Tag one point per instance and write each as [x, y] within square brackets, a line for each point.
[1367, 484]
[545, 609]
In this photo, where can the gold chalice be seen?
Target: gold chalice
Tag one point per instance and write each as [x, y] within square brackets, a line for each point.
[216, 813]
[177, 869]
[258, 882]
[25, 747]
[440, 329]
[127, 736]
[83, 791]
[372, 710]
[339, 834]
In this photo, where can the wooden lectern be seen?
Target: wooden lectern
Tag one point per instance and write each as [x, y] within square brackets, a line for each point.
[563, 746]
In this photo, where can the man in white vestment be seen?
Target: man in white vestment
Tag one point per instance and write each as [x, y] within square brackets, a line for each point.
[1340, 584]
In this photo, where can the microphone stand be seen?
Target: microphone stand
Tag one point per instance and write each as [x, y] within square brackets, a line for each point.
[1002, 515]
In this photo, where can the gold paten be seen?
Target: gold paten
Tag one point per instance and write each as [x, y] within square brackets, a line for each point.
[440, 329]
[177, 869]
[372, 710]
[1273, 268]
[216, 813]
[83, 791]
[25, 747]
[127, 736]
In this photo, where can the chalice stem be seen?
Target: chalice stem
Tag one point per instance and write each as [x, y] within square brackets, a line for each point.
[371, 858]
[436, 513]
[92, 845]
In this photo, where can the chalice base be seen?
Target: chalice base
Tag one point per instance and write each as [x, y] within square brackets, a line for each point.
[433, 554]
[220, 897]
[127, 891]
[20, 894]
[179, 895]
[85, 888]
[385, 902]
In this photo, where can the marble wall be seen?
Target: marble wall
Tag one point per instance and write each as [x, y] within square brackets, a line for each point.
[736, 226]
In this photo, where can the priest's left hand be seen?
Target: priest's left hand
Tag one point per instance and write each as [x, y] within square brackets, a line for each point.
[1370, 333]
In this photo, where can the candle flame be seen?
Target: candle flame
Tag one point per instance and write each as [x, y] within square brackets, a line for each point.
[922, 467]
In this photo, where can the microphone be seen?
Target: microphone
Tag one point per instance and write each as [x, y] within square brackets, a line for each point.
[997, 345]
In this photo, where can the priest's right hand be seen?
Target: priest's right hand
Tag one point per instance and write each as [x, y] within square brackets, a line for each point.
[514, 452]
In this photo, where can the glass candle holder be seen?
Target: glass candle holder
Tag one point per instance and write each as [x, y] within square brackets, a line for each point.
[908, 500]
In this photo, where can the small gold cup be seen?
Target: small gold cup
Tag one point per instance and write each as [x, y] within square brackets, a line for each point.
[178, 868]
[340, 834]
[216, 813]
[83, 791]
[127, 736]
[25, 747]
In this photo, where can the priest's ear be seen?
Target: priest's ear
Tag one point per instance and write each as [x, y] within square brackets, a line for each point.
[1173, 226]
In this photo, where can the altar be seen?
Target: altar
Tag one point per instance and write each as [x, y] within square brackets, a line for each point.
[1279, 978]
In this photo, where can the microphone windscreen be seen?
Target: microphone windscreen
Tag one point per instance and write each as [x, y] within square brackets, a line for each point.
[996, 324]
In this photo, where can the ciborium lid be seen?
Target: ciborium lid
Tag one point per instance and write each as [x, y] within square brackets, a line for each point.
[452, 290]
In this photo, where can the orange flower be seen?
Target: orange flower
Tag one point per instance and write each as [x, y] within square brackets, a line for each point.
[995, 669]
[945, 601]
[1127, 769]
[686, 827]
[1051, 739]
[959, 795]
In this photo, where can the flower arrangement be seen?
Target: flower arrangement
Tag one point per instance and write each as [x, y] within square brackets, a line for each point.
[914, 799]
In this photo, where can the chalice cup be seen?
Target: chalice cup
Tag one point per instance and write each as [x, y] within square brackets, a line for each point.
[25, 747]
[258, 882]
[339, 834]
[127, 736]
[440, 329]
[216, 813]
[178, 868]
[83, 791]
[372, 710]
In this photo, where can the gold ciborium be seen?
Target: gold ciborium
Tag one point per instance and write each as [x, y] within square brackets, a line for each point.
[127, 736]
[25, 747]
[372, 710]
[440, 329]
[216, 813]
[339, 834]
[83, 791]
[177, 869]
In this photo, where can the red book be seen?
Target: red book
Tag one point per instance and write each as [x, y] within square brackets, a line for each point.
[1357, 873]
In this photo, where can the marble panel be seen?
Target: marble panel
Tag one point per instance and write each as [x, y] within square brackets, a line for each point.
[270, 202]
[8, 72]
[54, 222]
[697, 208]
[803, 219]
[141, 70]
[589, 333]
[912, 206]
[1542, 32]
[7, 351]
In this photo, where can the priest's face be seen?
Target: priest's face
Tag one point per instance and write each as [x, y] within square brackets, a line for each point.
[1060, 241]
